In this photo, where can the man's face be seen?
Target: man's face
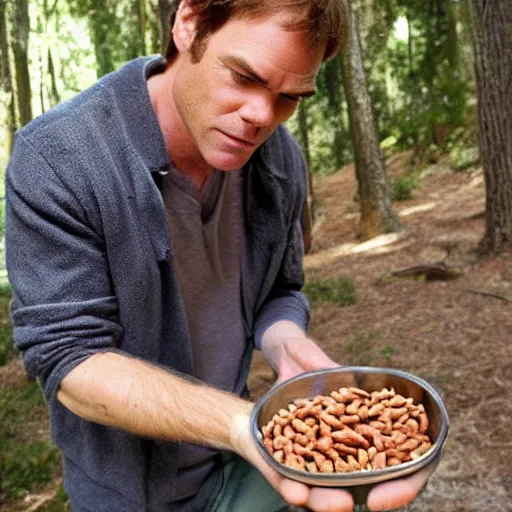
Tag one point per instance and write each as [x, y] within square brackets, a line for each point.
[250, 78]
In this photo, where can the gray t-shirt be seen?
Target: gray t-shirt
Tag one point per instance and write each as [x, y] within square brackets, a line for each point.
[206, 229]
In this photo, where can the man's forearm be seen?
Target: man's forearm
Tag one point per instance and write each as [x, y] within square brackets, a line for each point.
[289, 350]
[133, 395]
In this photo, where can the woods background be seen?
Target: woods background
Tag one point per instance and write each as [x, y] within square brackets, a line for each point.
[426, 78]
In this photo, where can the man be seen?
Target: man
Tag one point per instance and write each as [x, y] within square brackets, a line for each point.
[152, 240]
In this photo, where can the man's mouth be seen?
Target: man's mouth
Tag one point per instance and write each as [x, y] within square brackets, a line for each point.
[239, 140]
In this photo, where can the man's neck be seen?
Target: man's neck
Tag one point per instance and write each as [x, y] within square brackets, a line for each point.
[183, 153]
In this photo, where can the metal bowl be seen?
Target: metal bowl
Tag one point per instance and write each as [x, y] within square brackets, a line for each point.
[322, 382]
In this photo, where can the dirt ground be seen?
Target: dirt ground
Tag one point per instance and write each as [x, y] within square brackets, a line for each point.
[456, 334]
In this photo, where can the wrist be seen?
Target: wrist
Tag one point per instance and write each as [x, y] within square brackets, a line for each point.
[240, 429]
[274, 341]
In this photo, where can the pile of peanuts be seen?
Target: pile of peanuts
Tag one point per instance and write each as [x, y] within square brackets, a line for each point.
[350, 430]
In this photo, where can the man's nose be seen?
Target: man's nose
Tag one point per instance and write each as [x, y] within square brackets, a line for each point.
[258, 110]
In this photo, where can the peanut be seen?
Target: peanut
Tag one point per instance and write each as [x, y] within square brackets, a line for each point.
[420, 450]
[350, 430]
[353, 407]
[312, 467]
[362, 457]
[324, 444]
[343, 448]
[379, 461]
[362, 412]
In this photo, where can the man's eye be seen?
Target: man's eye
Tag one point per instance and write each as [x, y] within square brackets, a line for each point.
[290, 97]
[241, 79]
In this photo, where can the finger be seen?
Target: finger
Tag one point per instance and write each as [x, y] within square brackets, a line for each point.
[330, 500]
[398, 493]
[295, 493]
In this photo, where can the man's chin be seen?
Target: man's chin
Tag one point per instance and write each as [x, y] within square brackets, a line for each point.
[228, 162]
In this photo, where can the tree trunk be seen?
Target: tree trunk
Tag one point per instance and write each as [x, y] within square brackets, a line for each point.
[466, 47]
[54, 90]
[334, 113]
[164, 10]
[308, 209]
[6, 89]
[137, 45]
[492, 34]
[409, 43]
[100, 17]
[41, 82]
[142, 25]
[20, 36]
[377, 215]
[153, 27]
[304, 132]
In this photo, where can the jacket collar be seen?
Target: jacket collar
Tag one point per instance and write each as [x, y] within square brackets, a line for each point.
[141, 123]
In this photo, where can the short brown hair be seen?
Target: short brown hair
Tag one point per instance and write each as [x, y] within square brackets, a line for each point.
[325, 20]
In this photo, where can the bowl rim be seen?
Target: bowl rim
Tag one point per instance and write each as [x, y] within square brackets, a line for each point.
[362, 477]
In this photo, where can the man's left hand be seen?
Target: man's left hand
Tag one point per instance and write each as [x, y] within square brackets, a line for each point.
[290, 352]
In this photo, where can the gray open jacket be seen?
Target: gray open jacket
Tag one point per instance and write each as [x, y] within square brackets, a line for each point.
[91, 262]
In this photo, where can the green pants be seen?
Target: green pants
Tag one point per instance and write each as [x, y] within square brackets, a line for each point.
[241, 488]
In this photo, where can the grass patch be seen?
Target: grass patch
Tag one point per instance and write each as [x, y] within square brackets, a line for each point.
[23, 464]
[58, 504]
[402, 188]
[17, 406]
[387, 353]
[340, 291]
[5, 289]
[7, 350]
[361, 349]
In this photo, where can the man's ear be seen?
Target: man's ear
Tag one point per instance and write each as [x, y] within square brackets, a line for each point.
[184, 29]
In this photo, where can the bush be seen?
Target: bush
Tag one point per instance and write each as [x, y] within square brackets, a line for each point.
[402, 187]
[24, 465]
[361, 348]
[340, 291]
[462, 158]
[7, 350]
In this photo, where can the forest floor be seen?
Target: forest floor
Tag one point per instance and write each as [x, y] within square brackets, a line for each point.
[454, 333]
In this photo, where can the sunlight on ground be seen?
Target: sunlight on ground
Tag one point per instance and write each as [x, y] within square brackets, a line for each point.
[418, 209]
[382, 244]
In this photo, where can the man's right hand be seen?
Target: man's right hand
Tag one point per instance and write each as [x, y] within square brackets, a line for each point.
[383, 497]
[296, 493]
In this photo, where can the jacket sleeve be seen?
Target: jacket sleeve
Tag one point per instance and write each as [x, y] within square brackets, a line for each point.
[286, 301]
[63, 308]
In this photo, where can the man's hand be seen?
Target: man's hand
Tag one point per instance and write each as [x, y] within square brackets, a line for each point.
[398, 493]
[383, 497]
[295, 493]
[290, 352]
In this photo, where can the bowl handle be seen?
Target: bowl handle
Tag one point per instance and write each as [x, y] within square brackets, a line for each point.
[360, 495]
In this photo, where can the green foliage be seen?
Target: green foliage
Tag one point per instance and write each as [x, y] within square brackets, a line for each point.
[340, 291]
[387, 352]
[17, 406]
[461, 157]
[402, 187]
[7, 350]
[59, 503]
[361, 348]
[23, 464]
